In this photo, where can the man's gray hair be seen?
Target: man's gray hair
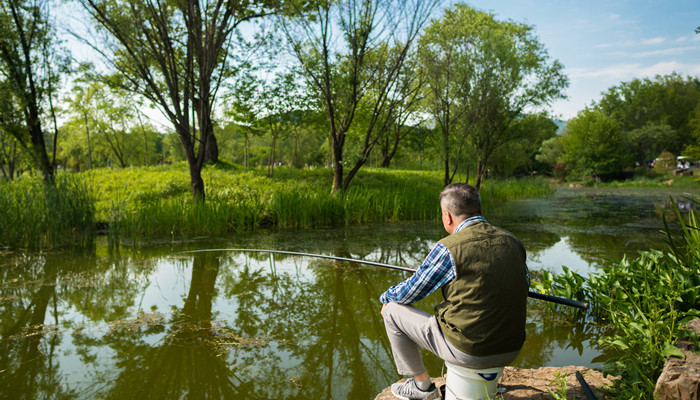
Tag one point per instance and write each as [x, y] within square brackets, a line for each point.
[461, 200]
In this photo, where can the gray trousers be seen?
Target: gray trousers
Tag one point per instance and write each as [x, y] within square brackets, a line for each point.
[410, 328]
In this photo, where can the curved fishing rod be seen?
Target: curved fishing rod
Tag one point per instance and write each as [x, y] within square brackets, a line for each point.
[553, 299]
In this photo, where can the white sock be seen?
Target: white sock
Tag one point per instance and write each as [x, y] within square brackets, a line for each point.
[423, 385]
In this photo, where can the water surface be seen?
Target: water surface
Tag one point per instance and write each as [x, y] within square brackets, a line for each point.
[125, 322]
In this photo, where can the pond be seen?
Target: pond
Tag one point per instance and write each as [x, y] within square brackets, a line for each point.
[160, 321]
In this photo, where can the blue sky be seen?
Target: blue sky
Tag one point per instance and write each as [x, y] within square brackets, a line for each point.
[603, 43]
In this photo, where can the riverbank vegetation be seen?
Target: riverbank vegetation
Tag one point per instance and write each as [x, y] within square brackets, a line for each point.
[645, 301]
[36, 214]
[154, 203]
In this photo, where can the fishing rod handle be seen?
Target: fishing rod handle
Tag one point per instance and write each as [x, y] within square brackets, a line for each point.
[559, 300]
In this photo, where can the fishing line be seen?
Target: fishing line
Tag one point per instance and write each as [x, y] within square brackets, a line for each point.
[534, 295]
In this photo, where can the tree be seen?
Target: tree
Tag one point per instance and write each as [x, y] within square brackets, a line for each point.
[278, 100]
[29, 60]
[668, 100]
[647, 142]
[241, 106]
[81, 104]
[176, 54]
[108, 123]
[693, 149]
[348, 49]
[9, 156]
[519, 156]
[405, 115]
[594, 145]
[550, 151]
[483, 74]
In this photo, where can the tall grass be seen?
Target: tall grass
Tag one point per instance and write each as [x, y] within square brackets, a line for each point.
[647, 301]
[36, 215]
[511, 188]
[155, 202]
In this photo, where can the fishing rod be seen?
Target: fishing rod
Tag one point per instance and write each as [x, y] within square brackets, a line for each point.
[535, 295]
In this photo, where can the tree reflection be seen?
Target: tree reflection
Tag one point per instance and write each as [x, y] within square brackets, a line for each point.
[186, 362]
[27, 346]
[248, 325]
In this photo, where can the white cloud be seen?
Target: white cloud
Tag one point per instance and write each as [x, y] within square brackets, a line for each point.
[624, 72]
[665, 68]
[653, 41]
[673, 51]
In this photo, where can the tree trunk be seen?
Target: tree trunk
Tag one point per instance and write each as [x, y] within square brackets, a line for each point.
[480, 171]
[87, 131]
[337, 166]
[39, 150]
[212, 150]
[271, 159]
[353, 172]
[390, 154]
[196, 182]
[246, 142]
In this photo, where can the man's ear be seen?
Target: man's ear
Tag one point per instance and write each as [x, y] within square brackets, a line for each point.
[449, 217]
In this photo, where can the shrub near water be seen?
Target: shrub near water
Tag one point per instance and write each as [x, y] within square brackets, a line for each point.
[36, 215]
[647, 300]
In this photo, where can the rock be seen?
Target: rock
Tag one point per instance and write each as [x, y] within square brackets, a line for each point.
[521, 384]
[680, 379]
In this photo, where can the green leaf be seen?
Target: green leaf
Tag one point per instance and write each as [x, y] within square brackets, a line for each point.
[670, 350]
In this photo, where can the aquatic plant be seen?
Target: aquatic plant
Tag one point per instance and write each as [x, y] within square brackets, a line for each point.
[646, 300]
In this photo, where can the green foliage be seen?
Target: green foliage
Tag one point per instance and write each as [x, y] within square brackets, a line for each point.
[647, 142]
[594, 145]
[665, 100]
[646, 300]
[154, 202]
[560, 390]
[480, 75]
[37, 215]
[518, 157]
[666, 161]
[30, 61]
[550, 151]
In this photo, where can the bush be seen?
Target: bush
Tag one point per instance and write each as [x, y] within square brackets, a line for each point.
[647, 301]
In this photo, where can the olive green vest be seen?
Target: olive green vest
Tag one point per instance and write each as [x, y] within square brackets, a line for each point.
[484, 309]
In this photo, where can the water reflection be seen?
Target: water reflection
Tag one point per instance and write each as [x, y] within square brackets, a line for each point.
[146, 322]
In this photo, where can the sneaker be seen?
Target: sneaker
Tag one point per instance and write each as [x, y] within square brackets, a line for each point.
[409, 391]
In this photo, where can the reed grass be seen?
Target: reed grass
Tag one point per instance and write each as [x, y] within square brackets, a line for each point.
[155, 203]
[37, 215]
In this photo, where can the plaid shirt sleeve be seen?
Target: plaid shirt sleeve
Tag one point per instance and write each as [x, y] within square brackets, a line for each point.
[437, 269]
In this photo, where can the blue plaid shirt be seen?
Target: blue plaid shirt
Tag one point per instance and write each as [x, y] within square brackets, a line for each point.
[437, 270]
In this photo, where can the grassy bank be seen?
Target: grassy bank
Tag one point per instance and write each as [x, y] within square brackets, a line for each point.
[647, 301]
[648, 179]
[36, 215]
[156, 201]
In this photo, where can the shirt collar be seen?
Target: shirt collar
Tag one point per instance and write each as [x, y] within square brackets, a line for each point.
[468, 222]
